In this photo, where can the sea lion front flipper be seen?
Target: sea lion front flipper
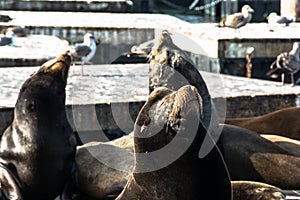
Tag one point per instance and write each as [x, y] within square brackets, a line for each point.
[67, 192]
[70, 187]
[8, 185]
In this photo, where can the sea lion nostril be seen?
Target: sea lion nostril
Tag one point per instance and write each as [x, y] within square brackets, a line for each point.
[67, 58]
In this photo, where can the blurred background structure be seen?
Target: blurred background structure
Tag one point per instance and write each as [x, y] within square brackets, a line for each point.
[203, 10]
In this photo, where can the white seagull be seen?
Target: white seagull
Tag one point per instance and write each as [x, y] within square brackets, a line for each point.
[84, 51]
[239, 19]
[274, 19]
[286, 62]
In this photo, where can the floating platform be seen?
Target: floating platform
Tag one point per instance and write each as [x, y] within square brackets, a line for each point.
[227, 47]
[32, 50]
[109, 97]
[119, 32]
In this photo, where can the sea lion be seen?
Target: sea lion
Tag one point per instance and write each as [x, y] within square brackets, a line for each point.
[290, 145]
[281, 122]
[251, 190]
[37, 151]
[251, 157]
[98, 180]
[168, 55]
[171, 67]
[168, 134]
[95, 161]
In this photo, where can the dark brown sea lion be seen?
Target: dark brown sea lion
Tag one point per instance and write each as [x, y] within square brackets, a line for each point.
[96, 172]
[281, 122]
[37, 151]
[171, 67]
[250, 190]
[251, 157]
[168, 134]
[290, 145]
[99, 180]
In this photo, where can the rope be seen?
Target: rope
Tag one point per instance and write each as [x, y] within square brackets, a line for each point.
[209, 5]
[192, 6]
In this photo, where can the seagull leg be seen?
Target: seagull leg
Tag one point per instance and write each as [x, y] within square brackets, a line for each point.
[282, 78]
[73, 70]
[82, 69]
[292, 79]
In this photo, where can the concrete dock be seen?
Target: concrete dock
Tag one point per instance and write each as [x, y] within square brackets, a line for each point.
[32, 50]
[109, 97]
[119, 32]
[207, 44]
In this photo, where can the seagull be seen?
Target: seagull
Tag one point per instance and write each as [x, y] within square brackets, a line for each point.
[84, 51]
[239, 19]
[20, 31]
[274, 19]
[8, 39]
[5, 18]
[288, 62]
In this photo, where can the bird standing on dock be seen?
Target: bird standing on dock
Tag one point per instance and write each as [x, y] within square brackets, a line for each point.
[275, 19]
[5, 18]
[239, 19]
[20, 31]
[84, 51]
[8, 39]
[286, 62]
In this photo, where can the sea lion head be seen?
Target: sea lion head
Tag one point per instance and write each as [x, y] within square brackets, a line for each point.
[168, 124]
[42, 96]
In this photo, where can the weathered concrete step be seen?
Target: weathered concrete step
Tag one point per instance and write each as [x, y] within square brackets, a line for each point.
[119, 32]
[32, 50]
[69, 5]
[109, 97]
[292, 194]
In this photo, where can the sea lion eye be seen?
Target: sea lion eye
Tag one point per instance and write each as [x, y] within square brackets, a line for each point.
[31, 105]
